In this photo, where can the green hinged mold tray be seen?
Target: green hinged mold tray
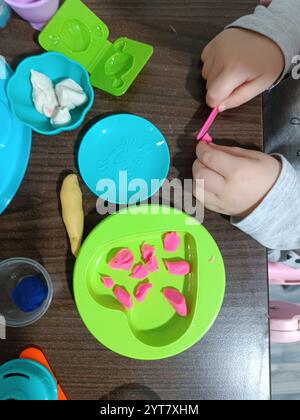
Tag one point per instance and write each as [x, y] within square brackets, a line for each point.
[79, 34]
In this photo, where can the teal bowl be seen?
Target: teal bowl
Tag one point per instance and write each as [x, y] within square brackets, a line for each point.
[57, 67]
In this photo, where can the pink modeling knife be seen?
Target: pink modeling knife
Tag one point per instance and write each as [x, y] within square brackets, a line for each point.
[203, 133]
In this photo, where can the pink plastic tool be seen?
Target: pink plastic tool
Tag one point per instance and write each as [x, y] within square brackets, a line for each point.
[203, 133]
[282, 275]
[284, 322]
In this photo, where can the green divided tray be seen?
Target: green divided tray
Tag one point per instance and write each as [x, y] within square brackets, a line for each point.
[152, 329]
[79, 34]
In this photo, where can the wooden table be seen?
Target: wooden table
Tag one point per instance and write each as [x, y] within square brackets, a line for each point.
[232, 361]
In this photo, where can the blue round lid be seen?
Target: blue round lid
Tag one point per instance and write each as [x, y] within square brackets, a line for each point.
[15, 144]
[26, 380]
[124, 159]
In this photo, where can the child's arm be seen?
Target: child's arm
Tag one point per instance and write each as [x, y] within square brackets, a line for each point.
[261, 193]
[252, 54]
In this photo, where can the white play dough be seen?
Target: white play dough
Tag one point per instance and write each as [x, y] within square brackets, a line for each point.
[56, 103]
[43, 94]
[70, 94]
[61, 117]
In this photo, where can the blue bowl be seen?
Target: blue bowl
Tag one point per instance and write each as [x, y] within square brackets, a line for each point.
[57, 67]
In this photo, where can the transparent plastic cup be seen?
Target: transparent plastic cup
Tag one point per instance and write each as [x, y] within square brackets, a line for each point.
[12, 272]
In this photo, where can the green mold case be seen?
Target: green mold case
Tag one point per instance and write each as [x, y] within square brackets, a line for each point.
[79, 34]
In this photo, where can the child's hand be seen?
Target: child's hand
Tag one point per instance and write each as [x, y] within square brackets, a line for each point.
[235, 180]
[238, 65]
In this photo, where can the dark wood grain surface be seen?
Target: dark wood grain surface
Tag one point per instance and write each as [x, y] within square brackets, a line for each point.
[232, 361]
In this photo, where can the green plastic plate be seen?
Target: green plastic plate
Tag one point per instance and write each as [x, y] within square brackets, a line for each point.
[78, 33]
[152, 329]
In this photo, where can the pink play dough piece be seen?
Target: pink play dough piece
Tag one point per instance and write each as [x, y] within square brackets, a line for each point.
[123, 297]
[142, 291]
[123, 260]
[139, 272]
[172, 241]
[108, 282]
[147, 251]
[177, 300]
[178, 268]
[152, 264]
[149, 257]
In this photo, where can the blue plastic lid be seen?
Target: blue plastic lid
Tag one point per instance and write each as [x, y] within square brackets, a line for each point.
[124, 159]
[26, 380]
[15, 144]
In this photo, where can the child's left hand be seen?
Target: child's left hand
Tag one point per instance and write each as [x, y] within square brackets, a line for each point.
[235, 180]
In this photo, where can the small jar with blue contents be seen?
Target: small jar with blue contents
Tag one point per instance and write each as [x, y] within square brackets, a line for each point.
[5, 13]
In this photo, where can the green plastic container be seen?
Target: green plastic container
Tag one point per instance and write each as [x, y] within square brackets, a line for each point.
[79, 34]
[150, 330]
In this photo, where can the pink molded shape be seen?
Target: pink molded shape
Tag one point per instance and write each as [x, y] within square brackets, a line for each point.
[152, 264]
[149, 257]
[177, 300]
[178, 268]
[139, 272]
[108, 282]
[284, 322]
[123, 260]
[280, 274]
[123, 297]
[147, 251]
[172, 241]
[142, 291]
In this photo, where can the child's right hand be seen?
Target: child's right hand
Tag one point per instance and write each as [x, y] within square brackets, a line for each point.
[239, 65]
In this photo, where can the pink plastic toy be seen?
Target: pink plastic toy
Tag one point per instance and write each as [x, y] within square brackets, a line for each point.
[108, 282]
[36, 12]
[139, 272]
[152, 264]
[178, 268]
[177, 300]
[284, 322]
[172, 241]
[123, 297]
[123, 260]
[142, 291]
[204, 130]
[282, 275]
